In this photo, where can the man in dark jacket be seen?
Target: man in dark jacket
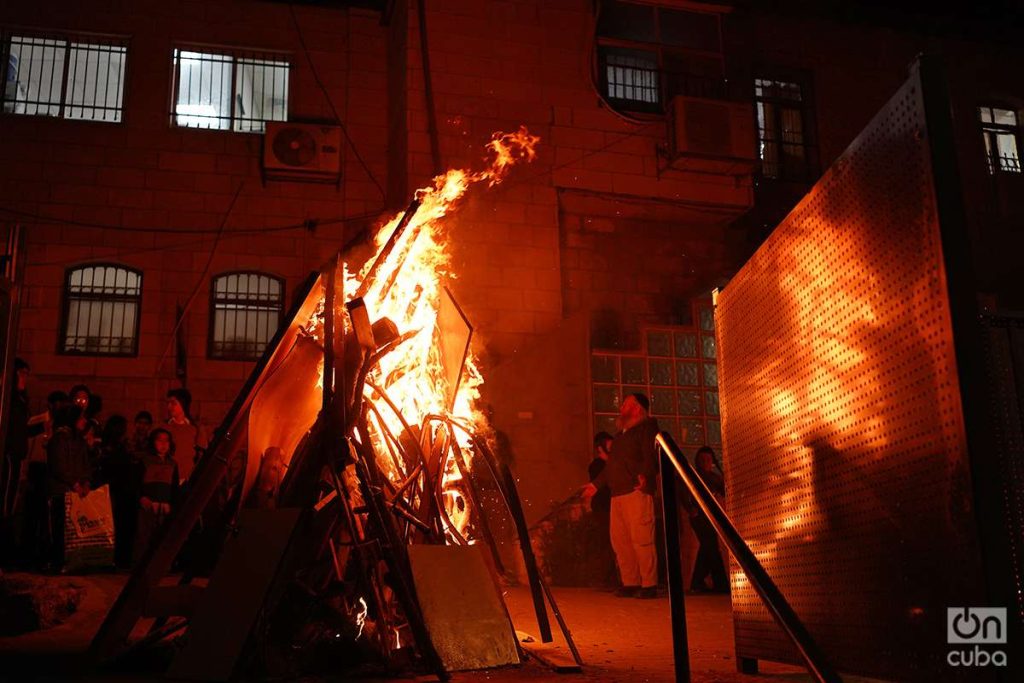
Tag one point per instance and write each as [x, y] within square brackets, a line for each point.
[603, 561]
[18, 434]
[709, 557]
[631, 476]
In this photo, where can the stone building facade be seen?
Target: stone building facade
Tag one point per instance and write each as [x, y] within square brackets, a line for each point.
[629, 213]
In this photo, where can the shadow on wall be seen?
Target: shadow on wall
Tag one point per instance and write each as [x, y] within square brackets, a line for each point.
[540, 403]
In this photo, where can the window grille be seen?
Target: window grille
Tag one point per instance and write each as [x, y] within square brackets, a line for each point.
[246, 310]
[633, 76]
[781, 129]
[68, 77]
[101, 310]
[648, 54]
[677, 370]
[999, 130]
[228, 90]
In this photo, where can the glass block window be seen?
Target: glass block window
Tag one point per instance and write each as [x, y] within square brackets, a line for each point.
[229, 90]
[677, 370]
[245, 312]
[79, 77]
[101, 310]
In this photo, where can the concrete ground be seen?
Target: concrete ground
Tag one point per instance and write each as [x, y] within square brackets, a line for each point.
[618, 639]
[631, 640]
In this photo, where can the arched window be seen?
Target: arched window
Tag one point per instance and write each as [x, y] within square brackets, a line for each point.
[101, 310]
[245, 312]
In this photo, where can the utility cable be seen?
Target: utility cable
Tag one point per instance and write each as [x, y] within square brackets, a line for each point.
[200, 280]
[308, 224]
[330, 102]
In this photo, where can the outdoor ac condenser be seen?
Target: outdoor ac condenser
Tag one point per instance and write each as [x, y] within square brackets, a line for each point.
[302, 152]
[712, 135]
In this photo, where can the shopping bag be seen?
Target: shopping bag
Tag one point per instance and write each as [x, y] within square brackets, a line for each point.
[88, 530]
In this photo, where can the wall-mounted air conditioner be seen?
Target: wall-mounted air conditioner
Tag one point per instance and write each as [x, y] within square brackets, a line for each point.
[716, 136]
[302, 152]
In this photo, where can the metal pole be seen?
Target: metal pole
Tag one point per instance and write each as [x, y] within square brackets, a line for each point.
[371, 274]
[674, 568]
[766, 589]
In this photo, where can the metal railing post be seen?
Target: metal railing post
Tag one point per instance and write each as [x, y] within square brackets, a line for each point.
[755, 572]
[674, 569]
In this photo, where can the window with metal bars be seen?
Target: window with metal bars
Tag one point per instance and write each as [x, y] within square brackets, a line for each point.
[71, 77]
[101, 310]
[245, 312]
[222, 89]
[782, 130]
[999, 130]
[647, 54]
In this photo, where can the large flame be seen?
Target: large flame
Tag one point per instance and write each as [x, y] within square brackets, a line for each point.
[406, 289]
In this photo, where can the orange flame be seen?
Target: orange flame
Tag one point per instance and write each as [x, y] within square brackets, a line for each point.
[412, 375]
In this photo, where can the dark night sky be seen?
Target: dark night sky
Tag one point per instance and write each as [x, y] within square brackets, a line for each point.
[985, 20]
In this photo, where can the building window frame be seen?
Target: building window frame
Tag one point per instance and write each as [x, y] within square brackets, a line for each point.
[770, 114]
[237, 113]
[114, 292]
[234, 300]
[71, 49]
[994, 132]
[657, 79]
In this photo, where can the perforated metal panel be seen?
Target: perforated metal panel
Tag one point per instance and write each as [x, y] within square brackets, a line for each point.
[844, 439]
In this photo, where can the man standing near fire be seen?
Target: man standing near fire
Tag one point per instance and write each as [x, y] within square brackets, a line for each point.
[631, 475]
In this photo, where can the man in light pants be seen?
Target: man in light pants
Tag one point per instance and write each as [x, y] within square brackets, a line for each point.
[631, 475]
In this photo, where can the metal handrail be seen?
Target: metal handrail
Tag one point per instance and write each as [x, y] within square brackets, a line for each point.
[766, 589]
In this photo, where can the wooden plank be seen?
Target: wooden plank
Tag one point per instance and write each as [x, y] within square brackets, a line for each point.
[549, 654]
[461, 607]
[238, 590]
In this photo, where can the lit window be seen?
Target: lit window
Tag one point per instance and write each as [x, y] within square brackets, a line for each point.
[229, 90]
[101, 305]
[648, 54]
[999, 129]
[71, 79]
[781, 128]
[632, 75]
[246, 311]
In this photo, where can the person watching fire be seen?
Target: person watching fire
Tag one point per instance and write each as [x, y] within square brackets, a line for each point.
[631, 474]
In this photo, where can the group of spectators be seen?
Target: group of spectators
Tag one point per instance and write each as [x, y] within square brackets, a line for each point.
[622, 487]
[72, 447]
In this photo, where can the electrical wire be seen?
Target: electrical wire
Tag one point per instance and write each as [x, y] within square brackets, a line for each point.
[330, 102]
[200, 280]
[118, 253]
[308, 224]
[428, 88]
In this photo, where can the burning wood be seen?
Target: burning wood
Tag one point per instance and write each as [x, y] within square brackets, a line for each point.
[388, 461]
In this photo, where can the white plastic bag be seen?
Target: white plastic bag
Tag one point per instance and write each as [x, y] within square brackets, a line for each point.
[88, 530]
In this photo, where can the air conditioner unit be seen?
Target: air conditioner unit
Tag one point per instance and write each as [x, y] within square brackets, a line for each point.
[714, 136]
[302, 152]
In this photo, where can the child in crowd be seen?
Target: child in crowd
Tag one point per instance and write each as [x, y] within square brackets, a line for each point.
[159, 488]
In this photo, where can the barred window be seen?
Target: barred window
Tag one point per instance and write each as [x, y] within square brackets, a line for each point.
[245, 312]
[647, 54]
[229, 90]
[80, 77]
[101, 310]
[999, 129]
[782, 129]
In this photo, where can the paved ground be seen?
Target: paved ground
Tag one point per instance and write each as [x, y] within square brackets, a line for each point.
[630, 640]
[619, 640]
